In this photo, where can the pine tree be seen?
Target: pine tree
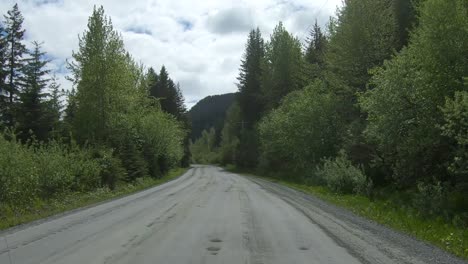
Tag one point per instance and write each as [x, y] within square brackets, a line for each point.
[163, 88]
[69, 113]
[180, 103]
[406, 18]
[3, 70]
[250, 94]
[151, 79]
[32, 107]
[15, 50]
[54, 108]
[315, 51]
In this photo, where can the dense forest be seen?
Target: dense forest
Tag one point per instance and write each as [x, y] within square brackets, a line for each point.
[209, 112]
[119, 124]
[374, 104]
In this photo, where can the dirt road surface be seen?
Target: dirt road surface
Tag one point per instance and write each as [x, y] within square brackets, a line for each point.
[209, 215]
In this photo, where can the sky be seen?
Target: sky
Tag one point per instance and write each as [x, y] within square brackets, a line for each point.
[200, 42]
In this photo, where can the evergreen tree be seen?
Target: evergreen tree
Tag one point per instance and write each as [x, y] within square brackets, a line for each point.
[181, 110]
[165, 90]
[54, 108]
[3, 69]
[15, 49]
[250, 95]
[406, 18]
[315, 49]
[70, 109]
[151, 79]
[230, 135]
[31, 109]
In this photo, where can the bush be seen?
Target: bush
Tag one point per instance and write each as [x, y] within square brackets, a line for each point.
[303, 130]
[40, 170]
[112, 169]
[431, 199]
[341, 176]
[19, 177]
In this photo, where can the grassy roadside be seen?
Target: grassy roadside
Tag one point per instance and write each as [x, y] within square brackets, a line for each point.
[41, 209]
[435, 231]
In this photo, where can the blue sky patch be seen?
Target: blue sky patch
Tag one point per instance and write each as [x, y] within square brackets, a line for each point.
[186, 25]
[139, 30]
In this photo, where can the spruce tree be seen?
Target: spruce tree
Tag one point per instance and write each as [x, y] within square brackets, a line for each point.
[250, 94]
[315, 49]
[3, 73]
[15, 49]
[3, 70]
[54, 108]
[163, 88]
[31, 109]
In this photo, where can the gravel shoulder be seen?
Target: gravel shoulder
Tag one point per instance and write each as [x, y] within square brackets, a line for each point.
[365, 239]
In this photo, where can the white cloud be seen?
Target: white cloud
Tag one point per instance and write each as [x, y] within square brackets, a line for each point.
[200, 42]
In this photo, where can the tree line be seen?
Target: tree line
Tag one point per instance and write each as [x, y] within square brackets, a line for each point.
[119, 123]
[376, 103]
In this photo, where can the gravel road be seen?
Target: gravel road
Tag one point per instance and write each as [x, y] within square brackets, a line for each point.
[209, 215]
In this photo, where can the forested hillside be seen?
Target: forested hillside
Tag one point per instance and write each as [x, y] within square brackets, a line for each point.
[374, 104]
[119, 125]
[209, 112]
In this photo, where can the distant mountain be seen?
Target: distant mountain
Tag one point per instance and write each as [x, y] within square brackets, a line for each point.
[210, 112]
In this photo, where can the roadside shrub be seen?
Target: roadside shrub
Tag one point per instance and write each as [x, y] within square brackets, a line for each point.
[341, 176]
[304, 129]
[441, 200]
[40, 170]
[112, 169]
[19, 177]
[430, 199]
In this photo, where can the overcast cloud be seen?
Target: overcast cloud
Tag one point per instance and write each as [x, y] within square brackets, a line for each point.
[200, 42]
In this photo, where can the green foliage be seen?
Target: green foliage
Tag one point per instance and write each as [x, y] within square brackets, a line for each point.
[112, 108]
[101, 72]
[204, 149]
[162, 136]
[229, 135]
[209, 112]
[365, 34]
[32, 109]
[250, 98]
[341, 176]
[14, 34]
[38, 209]
[404, 107]
[13, 50]
[283, 67]
[54, 110]
[163, 88]
[44, 170]
[315, 50]
[393, 213]
[455, 127]
[303, 130]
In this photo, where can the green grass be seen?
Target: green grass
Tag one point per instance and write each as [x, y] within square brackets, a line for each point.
[10, 217]
[384, 211]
